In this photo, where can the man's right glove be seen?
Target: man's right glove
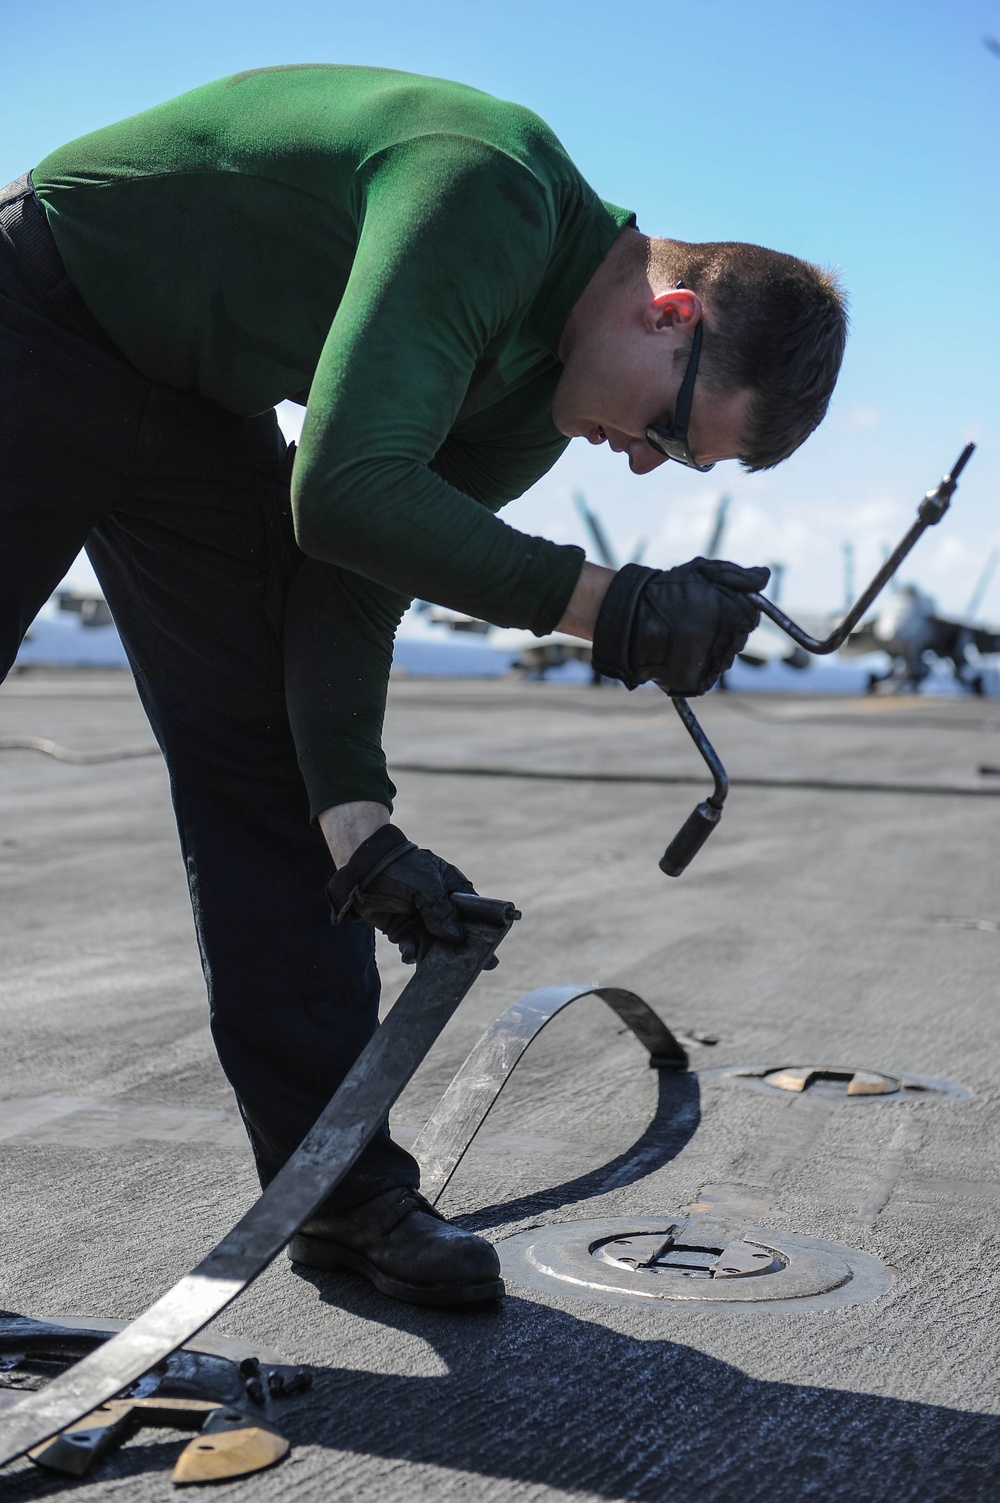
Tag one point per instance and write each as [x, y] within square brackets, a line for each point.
[680, 627]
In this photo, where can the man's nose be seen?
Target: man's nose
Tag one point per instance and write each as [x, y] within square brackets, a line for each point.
[642, 457]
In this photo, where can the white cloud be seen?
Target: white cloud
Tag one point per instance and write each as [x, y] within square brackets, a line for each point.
[860, 418]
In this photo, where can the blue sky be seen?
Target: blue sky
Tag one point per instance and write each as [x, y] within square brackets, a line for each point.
[865, 136]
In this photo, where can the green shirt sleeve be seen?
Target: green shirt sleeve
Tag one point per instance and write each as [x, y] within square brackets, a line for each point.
[392, 486]
[339, 632]
[455, 237]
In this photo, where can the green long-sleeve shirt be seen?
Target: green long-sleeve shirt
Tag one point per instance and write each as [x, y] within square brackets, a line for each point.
[402, 254]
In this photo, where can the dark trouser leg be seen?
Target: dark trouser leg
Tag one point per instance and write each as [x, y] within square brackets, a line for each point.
[196, 567]
[190, 542]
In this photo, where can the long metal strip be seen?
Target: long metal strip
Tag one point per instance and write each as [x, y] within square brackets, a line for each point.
[347, 1125]
[445, 1139]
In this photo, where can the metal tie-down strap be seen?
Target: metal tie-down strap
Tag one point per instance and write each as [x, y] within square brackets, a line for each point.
[465, 1105]
[340, 1134]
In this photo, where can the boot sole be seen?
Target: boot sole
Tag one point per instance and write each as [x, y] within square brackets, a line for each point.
[317, 1252]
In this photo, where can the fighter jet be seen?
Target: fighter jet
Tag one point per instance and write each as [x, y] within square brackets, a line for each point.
[76, 630]
[89, 604]
[599, 537]
[912, 631]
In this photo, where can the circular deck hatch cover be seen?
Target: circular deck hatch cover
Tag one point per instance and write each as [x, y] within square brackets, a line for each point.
[678, 1259]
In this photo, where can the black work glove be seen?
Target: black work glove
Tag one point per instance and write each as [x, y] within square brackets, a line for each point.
[680, 627]
[406, 892]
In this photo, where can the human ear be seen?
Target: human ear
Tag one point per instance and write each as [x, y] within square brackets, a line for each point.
[678, 309]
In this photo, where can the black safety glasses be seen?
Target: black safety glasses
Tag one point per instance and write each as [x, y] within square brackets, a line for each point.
[673, 440]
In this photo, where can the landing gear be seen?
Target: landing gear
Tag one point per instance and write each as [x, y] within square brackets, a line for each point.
[893, 683]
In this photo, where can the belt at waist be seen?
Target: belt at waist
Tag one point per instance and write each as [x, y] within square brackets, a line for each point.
[22, 220]
[25, 227]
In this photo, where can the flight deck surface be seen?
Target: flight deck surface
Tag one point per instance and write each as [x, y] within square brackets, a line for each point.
[825, 928]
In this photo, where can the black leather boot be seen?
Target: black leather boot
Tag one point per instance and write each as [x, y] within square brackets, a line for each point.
[406, 1248]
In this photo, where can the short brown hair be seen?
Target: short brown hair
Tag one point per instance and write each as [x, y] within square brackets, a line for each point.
[774, 324]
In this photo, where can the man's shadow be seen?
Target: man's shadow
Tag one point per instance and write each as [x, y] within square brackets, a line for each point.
[541, 1396]
[674, 1122]
[545, 1397]
[534, 1396]
[537, 1398]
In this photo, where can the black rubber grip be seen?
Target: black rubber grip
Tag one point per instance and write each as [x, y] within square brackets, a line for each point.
[472, 905]
[689, 839]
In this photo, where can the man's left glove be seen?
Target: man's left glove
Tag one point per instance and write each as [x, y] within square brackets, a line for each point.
[680, 628]
[404, 891]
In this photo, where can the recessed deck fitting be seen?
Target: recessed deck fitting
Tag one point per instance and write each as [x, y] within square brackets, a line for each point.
[690, 1260]
[837, 1080]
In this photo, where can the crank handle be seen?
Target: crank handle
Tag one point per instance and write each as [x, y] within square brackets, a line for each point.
[690, 838]
[702, 821]
[930, 511]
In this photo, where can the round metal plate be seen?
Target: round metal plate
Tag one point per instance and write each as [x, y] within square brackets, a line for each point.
[670, 1259]
[849, 1082]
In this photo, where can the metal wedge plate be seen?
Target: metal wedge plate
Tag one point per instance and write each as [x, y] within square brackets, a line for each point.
[854, 1082]
[215, 1457]
[846, 1081]
[339, 1135]
[229, 1443]
[75, 1449]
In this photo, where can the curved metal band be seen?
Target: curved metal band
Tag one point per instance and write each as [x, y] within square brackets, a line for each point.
[445, 1139]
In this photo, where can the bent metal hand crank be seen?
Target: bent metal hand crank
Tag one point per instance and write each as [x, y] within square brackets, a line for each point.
[702, 820]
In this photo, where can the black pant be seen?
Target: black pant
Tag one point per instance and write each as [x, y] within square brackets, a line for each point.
[184, 510]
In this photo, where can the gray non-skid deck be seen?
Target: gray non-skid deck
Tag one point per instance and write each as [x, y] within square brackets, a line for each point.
[818, 926]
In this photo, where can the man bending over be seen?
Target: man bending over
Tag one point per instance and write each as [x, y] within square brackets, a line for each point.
[424, 268]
